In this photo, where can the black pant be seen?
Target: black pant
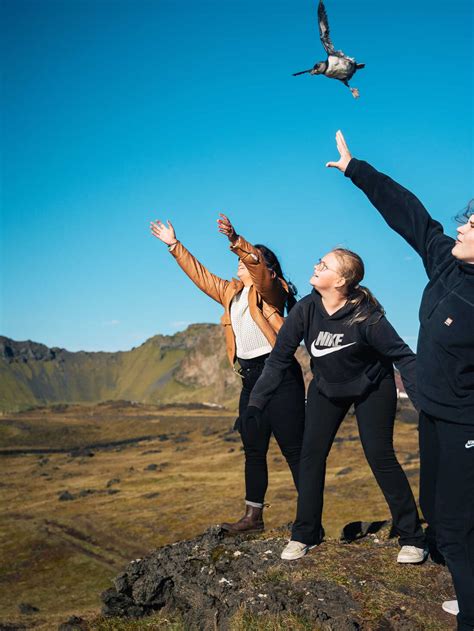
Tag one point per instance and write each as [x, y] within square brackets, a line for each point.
[283, 416]
[375, 413]
[447, 502]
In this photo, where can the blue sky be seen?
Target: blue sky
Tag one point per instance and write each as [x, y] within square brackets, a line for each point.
[118, 112]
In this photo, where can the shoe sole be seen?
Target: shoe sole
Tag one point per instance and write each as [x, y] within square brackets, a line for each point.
[425, 556]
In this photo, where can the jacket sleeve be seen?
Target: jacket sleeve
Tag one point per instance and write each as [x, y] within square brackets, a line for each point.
[404, 213]
[281, 358]
[382, 336]
[212, 285]
[272, 289]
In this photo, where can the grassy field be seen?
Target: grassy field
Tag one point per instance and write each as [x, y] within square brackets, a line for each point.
[72, 519]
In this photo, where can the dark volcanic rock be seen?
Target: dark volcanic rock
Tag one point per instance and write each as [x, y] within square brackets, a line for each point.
[344, 471]
[181, 439]
[345, 439]
[73, 624]
[151, 496]
[231, 439]
[112, 482]
[86, 492]
[82, 452]
[26, 608]
[208, 578]
[65, 496]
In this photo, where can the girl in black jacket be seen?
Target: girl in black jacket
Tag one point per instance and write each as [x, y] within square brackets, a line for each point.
[352, 348]
[445, 370]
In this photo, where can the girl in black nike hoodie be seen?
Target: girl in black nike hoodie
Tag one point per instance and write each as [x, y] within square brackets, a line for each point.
[445, 369]
[353, 348]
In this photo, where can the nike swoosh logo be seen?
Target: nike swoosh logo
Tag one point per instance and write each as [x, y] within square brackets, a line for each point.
[470, 443]
[317, 352]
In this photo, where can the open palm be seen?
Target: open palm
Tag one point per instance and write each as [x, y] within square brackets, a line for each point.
[162, 232]
[224, 225]
[344, 153]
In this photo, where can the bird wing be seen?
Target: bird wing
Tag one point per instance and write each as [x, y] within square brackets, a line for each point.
[324, 32]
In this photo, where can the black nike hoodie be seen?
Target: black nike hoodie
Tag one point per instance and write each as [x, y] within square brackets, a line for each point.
[445, 353]
[347, 359]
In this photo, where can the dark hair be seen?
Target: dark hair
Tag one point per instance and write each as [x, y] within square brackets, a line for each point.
[353, 270]
[273, 264]
[466, 213]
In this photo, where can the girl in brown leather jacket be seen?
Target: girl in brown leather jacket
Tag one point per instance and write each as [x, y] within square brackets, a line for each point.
[253, 314]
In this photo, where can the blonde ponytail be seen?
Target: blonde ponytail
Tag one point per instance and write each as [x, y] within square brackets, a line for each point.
[352, 270]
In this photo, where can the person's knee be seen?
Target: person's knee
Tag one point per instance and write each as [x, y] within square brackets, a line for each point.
[381, 459]
[292, 453]
[255, 454]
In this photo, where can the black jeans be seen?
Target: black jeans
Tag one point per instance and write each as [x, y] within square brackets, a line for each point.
[447, 502]
[284, 416]
[375, 413]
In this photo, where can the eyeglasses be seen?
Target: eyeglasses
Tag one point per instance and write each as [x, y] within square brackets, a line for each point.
[321, 265]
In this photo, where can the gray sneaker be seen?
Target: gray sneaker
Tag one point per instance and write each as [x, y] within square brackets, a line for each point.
[451, 606]
[295, 550]
[412, 554]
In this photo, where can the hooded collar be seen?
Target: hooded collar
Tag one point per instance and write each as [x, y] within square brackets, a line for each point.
[467, 268]
[340, 314]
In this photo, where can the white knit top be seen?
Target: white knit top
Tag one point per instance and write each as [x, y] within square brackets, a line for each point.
[249, 339]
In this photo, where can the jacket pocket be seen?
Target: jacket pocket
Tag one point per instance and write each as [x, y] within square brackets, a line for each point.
[350, 389]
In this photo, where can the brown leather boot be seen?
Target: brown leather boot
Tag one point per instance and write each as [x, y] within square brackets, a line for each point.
[252, 521]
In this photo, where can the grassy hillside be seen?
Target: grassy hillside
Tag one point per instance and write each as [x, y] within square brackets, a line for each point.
[73, 519]
[190, 366]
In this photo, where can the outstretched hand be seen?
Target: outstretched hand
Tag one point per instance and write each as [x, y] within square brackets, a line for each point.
[225, 226]
[162, 232]
[345, 155]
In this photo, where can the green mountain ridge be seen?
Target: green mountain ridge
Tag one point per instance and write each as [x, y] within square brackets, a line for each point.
[188, 367]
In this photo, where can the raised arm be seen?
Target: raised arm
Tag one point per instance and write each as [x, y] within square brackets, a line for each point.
[382, 336]
[402, 210]
[212, 285]
[281, 358]
[272, 288]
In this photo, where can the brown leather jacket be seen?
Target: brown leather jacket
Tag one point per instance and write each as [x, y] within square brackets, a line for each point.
[267, 295]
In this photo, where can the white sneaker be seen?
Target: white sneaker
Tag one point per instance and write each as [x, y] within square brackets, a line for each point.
[411, 554]
[451, 606]
[295, 550]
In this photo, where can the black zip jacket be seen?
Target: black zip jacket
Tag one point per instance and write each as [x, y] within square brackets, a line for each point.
[347, 360]
[445, 354]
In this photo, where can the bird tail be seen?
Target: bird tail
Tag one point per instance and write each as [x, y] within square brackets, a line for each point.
[359, 66]
[295, 74]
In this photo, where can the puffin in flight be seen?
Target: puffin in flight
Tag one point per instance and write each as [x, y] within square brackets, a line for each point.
[337, 65]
